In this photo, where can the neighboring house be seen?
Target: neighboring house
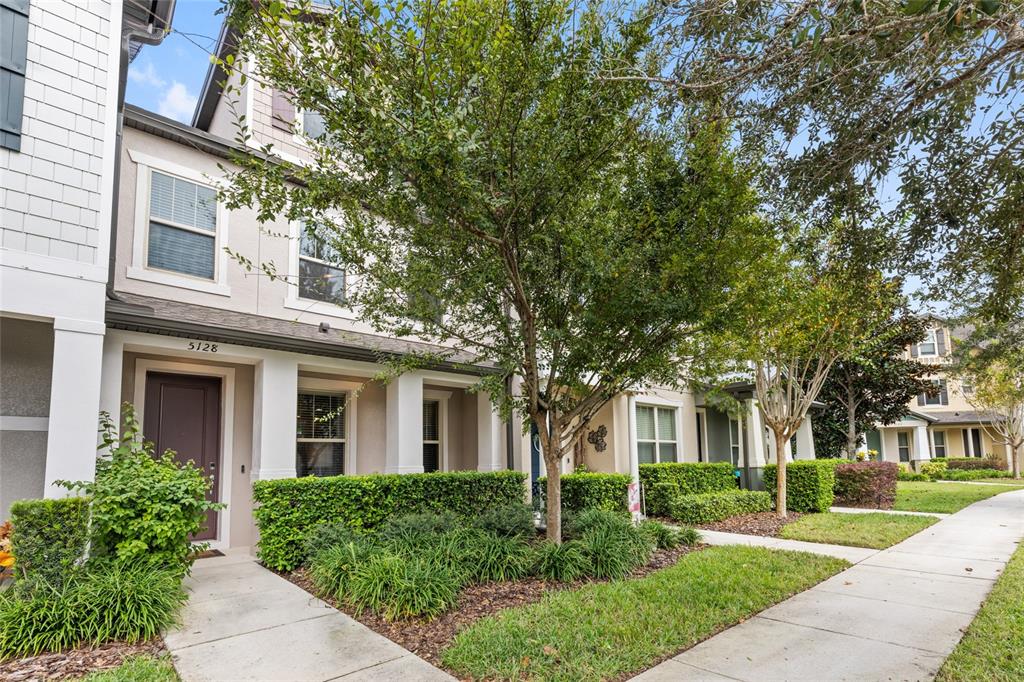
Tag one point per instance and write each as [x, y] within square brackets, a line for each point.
[940, 425]
[61, 65]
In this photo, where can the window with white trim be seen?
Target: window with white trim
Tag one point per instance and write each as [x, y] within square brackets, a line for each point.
[940, 396]
[320, 434]
[903, 444]
[320, 276]
[656, 439]
[939, 440]
[930, 346]
[431, 435]
[734, 442]
[182, 232]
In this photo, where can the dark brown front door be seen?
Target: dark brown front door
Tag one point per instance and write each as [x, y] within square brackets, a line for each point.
[183, 414]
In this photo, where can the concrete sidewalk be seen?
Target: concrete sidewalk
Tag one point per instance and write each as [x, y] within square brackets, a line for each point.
[243, 622]
[861, 510]
[895, 615]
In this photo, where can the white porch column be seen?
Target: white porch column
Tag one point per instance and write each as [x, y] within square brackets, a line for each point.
[275, 406]
[755, 445]
[404, 441]
[805, 440]
[74, 403]
[110, 381]
[490, 455]
[921, 452]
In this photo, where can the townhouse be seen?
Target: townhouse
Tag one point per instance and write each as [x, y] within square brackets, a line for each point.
[944, 424]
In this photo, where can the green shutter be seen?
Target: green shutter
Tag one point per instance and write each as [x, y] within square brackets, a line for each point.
[13, 63]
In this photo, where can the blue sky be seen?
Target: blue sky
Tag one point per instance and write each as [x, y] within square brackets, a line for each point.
[166, 78]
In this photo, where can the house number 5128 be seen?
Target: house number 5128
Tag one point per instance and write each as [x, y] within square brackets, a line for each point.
[202, 346]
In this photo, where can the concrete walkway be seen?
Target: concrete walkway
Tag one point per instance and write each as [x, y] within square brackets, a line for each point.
[895, 615]
[243, 622]
[861, 510]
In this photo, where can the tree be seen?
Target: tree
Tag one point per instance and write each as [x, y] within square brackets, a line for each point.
[872, 386]
[907, 113]
[489, 191]
[998, 394]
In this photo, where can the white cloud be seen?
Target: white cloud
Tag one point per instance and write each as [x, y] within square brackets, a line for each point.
[145, 76]
[177, 103]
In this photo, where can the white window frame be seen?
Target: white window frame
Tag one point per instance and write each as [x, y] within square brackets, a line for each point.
[292, 298]
[931, 339]
[936, 446]
[336, 387]
[736, 445]
[938, 395]
[139, 269]
[656, 405]
[909, 446]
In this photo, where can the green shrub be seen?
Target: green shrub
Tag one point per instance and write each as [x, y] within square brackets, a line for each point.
[286, 509]
[513, 520]
[910, 476]
[711, 507]
[495, 558]
[692, 478]
[576, 525]
[659, 496]
[107, 601]
[398, 587]
[661, 535]
[587, 490]
[144, 507]
[689, 537]
[810, 484]
[990, 461]
[972, 474]
[934, 468]
[614, 551]
[325, 536]
[566, 562]
[411, 532]
[49, 537]
[331, 569]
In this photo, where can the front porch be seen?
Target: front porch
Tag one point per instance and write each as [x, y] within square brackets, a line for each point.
[920, 437]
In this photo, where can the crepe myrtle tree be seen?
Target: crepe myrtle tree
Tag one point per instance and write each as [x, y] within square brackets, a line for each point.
[997, 392]
[792, 328]
[486, 190]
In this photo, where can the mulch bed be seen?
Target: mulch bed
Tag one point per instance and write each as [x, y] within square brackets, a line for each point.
[76, 662]
[427, 639]
[765, 524]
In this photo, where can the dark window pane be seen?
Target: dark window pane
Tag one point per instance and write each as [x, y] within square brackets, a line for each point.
[321, 282]
[180, 251]
[645, 453]
[431, 457]
[320, 459]
[431, 426]
[320, 416]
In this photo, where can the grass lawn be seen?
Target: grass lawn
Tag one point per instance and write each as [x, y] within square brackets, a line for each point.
[993, 648]
[1001, 480]
[943, 497]
[137, 669]
[608, 630]
[875, 530]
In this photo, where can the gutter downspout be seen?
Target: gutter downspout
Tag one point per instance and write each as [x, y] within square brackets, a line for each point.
[149, 36]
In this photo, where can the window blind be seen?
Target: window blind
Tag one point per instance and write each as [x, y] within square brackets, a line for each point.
[13, 65]
[645, 423]
[174, 203]
[321, 416]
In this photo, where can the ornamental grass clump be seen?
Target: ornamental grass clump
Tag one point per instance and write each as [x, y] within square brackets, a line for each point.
[399, 587]
[566, 562]
[496, 558]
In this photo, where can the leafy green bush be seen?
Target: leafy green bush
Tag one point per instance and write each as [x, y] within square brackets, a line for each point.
[934, 468]
[331, 568]
[286, 509]
[513, 520]
[691, 478]
[574, 526]
[496, 558]
[325, 536]
[972, 474]
[399, 587]
[565, 562]
[49, 537]
[659, 496]
[107, 601]
[689, 537]
[411, 532]
[711, 507]
[588, 490]
[144, 507]
[810, 484]
[911, 476]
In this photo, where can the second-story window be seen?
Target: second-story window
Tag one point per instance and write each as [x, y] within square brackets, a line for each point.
[939, 397]
[930, 346]
[320, 276]
[182, 226]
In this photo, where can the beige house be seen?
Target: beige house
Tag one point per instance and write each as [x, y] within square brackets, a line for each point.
[940, 425]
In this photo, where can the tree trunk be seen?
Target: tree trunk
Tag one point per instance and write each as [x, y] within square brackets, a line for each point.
[851, 430]
[554, 499]
[1015, 456]
[780, 460]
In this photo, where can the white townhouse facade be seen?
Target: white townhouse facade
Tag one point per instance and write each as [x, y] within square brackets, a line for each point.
[61, 68]
[941, 425]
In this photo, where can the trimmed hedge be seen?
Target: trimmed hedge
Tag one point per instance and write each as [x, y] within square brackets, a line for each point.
[972, 463]
[866, 484]
[591, 490]
[711, 507]
[49, 537]
[972, 474]
[810, 484]
[691, 478]
[911, 476]
[287, 509]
